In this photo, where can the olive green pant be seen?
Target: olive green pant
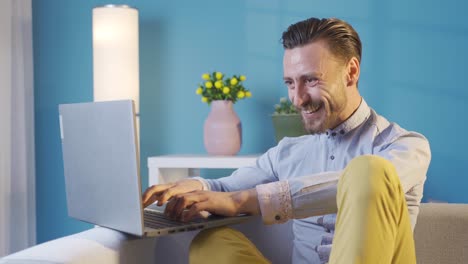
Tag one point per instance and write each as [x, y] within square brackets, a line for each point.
[372, 226]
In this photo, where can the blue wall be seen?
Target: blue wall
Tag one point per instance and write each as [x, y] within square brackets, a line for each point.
[413, 72]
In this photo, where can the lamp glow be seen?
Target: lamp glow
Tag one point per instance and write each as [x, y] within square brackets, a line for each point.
[115, 54]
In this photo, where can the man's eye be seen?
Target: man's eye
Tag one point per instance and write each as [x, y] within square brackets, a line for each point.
[312, 80]
[289, 84]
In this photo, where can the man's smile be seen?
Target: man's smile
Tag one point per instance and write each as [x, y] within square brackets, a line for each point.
[311, 108]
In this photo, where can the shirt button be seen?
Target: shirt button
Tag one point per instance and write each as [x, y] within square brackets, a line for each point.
[333, 134]
[277, 217]
[341, 131]
[326, 133]
[332, 157]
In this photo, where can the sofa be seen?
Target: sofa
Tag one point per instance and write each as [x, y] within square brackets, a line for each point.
[441, 236]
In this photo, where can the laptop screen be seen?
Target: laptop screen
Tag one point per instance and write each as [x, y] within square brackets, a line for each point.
[101, 164]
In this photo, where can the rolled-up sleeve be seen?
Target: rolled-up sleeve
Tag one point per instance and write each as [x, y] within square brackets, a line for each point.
[302, 197]
[275, 202]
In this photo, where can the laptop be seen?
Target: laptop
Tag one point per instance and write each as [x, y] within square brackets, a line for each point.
[102, 173]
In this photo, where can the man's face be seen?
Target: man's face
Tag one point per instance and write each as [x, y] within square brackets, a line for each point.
[316, 84]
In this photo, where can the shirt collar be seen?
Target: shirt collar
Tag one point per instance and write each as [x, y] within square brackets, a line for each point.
[358, 117]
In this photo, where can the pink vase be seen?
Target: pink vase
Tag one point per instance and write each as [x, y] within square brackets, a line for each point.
[222, 130]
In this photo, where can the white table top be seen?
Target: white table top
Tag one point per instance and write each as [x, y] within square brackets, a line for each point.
[201, 161]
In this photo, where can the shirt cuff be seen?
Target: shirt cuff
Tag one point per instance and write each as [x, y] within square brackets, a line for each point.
[205, 185]
[275, 202]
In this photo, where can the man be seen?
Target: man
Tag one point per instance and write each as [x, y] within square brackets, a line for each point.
[354, 163]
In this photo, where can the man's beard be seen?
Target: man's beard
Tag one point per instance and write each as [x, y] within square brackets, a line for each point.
[328, 120]
[319, 126]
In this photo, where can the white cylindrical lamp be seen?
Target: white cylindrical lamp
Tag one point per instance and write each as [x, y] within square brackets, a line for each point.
[115, 54]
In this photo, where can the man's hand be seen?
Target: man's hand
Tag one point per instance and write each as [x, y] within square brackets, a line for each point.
[164, 192]
[220, 203]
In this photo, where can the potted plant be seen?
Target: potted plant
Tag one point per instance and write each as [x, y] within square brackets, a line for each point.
[287, 122]
[222, 128]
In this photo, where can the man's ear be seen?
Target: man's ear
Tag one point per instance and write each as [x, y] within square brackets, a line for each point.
[353, 70]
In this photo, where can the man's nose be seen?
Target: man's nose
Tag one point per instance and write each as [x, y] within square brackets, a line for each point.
[301, 97]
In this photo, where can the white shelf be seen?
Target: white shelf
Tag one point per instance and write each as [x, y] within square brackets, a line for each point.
[170, 168]
[201, 161]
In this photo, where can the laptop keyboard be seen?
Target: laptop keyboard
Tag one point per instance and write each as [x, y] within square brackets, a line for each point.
[159, 220]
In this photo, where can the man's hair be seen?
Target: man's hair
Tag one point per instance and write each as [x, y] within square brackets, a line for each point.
[343, 41]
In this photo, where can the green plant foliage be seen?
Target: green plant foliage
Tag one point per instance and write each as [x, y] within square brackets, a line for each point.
[285, 107]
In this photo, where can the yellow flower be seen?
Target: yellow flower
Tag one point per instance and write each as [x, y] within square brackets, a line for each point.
[234, 81]
[219, 84]
[205, 76]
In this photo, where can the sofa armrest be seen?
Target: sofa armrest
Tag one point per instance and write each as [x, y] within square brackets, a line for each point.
[97, 245]
[441, 233]
[102, 245]
[440, 237]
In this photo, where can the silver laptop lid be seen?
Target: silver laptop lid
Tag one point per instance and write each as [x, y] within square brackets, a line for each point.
[101, 164]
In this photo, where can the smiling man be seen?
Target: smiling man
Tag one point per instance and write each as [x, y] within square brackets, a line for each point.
[354, 163]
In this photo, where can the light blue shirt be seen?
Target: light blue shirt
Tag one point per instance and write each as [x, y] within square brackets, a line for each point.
[301, 163]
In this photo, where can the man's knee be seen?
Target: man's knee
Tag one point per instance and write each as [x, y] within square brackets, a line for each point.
[369, 174]
[371, 162]
[367, 166]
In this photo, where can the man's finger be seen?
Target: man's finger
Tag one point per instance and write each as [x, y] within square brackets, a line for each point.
[185, 202]
[149, 200]
[172, 206]
[174, 210]
[195, 210]
[176, 206]
[155, 197]
[166, 196]
[153, 190]
[169, 206]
